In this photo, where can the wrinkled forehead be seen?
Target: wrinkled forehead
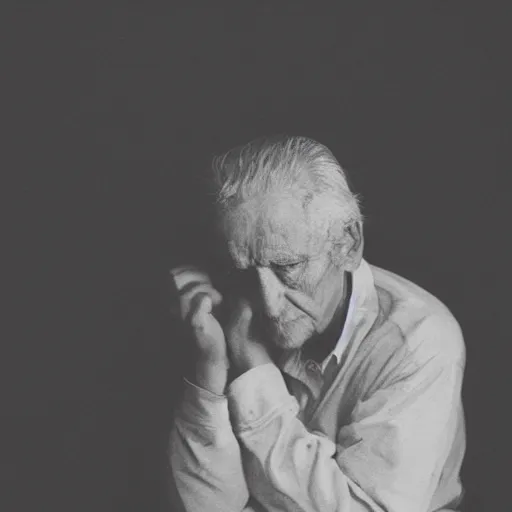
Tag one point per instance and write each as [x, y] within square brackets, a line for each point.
[273, 228]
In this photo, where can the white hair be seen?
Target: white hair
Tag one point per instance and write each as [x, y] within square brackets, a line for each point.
[283, 163]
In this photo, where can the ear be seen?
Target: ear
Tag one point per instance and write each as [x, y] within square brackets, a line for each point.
[353, 244]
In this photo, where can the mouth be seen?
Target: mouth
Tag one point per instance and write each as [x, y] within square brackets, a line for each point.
[277, 330]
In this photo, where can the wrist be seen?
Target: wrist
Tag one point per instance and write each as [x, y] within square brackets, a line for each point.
[255, 356]
[211, 375]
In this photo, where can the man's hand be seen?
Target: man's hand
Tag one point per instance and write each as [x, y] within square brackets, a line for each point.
[197, 298]
[245, 351]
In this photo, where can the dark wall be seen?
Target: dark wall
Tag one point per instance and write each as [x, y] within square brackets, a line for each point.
[112, 114]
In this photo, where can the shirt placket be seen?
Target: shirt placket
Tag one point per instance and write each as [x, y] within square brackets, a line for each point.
[305, 384]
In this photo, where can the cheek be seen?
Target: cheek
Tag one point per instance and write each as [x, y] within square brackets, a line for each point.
[311, 294]
[320, 280]
[328, 290]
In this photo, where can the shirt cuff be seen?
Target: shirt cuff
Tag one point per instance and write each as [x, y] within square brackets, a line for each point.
[200, 406]
[257, 396]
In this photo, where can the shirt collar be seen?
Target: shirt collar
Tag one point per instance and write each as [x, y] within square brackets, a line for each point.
[361, 303]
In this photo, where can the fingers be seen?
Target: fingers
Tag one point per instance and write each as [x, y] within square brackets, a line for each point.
[196, 299]
[201, 308]
[186, 274]
[246, 311]
[188, 292]
[240, 315]
[191, 282]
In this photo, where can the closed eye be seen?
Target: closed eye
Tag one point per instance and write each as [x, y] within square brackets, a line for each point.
[288, 267]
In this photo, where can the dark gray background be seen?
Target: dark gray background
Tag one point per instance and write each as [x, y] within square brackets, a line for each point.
[112, 114]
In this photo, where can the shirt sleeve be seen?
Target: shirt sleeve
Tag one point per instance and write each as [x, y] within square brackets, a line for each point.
[205, 459]
[389, 458]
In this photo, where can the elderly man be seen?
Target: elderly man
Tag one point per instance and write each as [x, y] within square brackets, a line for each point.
[321, 383]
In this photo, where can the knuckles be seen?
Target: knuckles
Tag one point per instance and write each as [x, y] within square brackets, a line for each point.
[197, 322]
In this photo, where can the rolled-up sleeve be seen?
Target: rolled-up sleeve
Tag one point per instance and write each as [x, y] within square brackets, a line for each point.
[389, 458]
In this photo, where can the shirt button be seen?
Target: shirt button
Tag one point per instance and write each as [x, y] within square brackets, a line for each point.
[312, 367]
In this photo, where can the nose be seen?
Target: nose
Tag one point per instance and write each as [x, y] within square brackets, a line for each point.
[272, 292]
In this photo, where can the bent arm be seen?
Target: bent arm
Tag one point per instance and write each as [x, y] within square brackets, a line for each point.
[388, 459]
[205, 456]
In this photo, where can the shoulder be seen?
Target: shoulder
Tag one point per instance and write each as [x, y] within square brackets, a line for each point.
[428, 329]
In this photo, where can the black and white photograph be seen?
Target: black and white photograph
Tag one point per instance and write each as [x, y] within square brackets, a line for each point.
[256, 257]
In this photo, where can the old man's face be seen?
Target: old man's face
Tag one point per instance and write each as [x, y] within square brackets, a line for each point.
[280, 252]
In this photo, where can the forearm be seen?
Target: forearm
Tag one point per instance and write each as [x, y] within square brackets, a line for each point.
[205, 455]
[290, 468]
[390, 460]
